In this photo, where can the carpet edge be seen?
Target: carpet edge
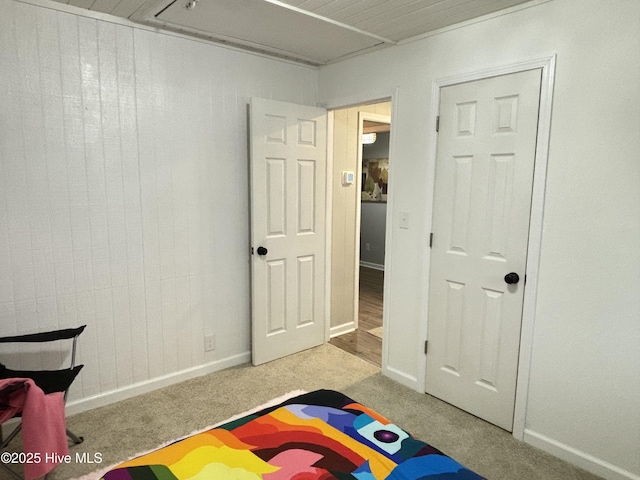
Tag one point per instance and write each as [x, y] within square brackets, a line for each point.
[97, 474]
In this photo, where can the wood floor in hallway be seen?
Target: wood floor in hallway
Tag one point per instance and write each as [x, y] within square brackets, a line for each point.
[360, 342]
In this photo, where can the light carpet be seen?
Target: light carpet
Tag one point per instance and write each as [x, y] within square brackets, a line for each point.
[143, 422]
[97, 474]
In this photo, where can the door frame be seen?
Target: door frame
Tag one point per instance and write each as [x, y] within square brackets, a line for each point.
[547, 65]
[365, 97]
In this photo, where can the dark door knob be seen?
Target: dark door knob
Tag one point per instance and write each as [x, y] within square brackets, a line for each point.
[262, 251]
[512, 278]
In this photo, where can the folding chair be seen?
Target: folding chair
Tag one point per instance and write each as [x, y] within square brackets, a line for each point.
[48, 380]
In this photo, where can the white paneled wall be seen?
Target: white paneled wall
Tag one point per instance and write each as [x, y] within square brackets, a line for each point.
[124, 192]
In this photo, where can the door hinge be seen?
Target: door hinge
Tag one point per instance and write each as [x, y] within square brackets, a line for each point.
[431, 240]
[437, 123]
[426, 343]
[251, 250]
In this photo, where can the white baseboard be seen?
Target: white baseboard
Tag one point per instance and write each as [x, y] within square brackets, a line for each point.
[374, 266]
[401, 377]
[136, 389]
[342, 329]
[577, 457]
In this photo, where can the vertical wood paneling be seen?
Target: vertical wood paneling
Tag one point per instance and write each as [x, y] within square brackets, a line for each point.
[18, 190]
[74, 152]
[105, 331]
[146, 72]
[8, 142]
[197, 148]
[52, 179]
[170, 158]
[107, 273]
[88, 209]
[123, 191]
[30, 227]
[56, 174]
[128, 133]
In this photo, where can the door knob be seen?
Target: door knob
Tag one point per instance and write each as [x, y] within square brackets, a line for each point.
[262, 251]
[512, 278]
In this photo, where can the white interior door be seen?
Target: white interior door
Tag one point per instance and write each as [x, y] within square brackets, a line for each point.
[482, 200]
[288, 188]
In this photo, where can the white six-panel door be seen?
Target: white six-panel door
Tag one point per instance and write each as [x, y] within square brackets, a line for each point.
[288, 185]
[482, 200]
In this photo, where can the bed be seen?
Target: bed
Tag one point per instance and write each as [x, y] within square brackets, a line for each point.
[320, 435]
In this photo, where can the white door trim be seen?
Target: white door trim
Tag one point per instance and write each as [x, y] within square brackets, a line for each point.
[547, 65]
[328, 228]
[362, 98]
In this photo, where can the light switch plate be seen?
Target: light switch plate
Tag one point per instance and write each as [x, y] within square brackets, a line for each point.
[404, 219]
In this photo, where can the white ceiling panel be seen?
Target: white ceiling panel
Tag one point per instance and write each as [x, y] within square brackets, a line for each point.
[288, 32]
[104, 6]
[351, 12]
[311, 31]
[126, 8]
[398, 20]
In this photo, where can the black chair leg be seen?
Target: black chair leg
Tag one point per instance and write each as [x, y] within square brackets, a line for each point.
[11, 436]
[74, 438]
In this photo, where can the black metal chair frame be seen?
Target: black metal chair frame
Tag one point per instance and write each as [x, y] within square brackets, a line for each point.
[48, 380]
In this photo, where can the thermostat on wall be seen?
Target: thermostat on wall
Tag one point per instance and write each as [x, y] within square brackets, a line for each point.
[348, 178]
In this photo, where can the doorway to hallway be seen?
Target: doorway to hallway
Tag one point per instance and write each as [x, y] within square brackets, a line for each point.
[361, 139]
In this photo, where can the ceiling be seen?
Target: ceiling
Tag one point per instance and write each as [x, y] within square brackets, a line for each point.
[315, 32]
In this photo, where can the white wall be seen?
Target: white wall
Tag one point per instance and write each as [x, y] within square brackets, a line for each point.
[123, 201]
[584, 392]
[373, 225]
[124, 194]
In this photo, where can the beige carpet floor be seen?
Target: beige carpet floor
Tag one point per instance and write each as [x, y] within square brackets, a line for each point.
[122, 429]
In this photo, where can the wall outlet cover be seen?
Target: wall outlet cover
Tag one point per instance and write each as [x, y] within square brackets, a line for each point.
[209, 343]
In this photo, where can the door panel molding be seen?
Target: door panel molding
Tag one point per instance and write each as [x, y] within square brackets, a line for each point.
[474, 324]
[548, 67]
[288, 195]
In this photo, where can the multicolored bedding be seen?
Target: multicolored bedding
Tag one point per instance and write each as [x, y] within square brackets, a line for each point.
[316, 436]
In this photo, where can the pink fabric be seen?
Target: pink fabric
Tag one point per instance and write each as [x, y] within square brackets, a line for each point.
[44, 431]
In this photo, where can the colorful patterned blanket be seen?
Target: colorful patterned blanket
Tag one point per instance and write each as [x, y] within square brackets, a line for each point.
[320, 435]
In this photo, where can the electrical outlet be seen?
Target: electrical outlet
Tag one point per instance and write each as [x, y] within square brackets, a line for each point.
[367, 247]
[209, 343]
